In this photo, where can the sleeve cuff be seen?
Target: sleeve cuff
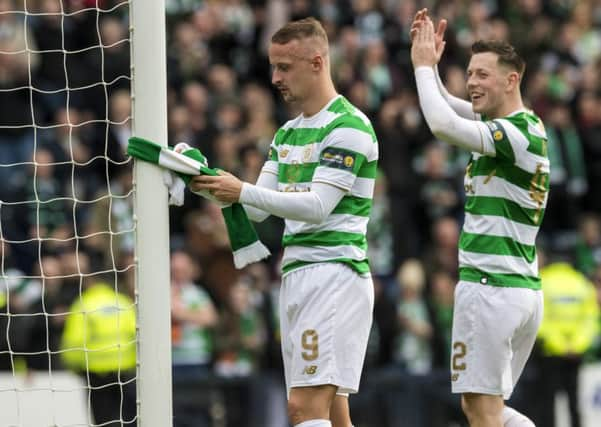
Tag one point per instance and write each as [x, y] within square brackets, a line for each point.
[244, 192]
[424, 70]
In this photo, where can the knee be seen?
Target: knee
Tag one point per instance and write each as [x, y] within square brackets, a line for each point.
[297, 411]
[468, 409]
[482, 408]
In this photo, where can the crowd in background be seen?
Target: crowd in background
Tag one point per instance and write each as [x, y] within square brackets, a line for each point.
[66, 220]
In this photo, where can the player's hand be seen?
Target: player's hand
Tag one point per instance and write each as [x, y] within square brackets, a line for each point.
[439, 41]
[225, 187]
[423, 49]
[419, 17]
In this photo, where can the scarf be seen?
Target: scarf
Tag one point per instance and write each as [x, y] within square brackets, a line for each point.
[245, 244]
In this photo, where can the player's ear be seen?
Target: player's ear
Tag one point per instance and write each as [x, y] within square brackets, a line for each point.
[317, 63]
[513, 80]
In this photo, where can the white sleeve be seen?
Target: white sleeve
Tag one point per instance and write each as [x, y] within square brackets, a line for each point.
[269, 180]
[310, 206]
[445, 123]
[460, 106]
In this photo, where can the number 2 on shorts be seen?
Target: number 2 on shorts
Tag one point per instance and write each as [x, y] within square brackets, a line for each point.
[310, 344]
[459, 351]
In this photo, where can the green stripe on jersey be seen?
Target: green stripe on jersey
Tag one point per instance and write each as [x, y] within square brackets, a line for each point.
[305, 136]
[536, 144]
[303, 172]
[502, 145]
[297, 172]
[486, 166]
[474, 275]
[352, 205]
[368, 170]
[496, 245]
[342, 105]
[361, 267]
[497, 206]
[325, 238]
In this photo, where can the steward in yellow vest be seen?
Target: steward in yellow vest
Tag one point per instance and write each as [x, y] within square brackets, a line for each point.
[100, 331]
[99, 343]
[569, 326]
[570, 321]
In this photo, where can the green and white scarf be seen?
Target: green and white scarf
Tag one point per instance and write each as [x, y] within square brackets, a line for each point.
[246, 246]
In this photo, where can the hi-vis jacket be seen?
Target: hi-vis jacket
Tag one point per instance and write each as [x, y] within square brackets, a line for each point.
[100, 332]
[571, 313]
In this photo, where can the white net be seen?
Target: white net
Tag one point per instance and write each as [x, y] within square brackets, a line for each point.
[67, 297]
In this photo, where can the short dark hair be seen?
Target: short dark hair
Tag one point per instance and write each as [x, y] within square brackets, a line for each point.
[506, 53]
[301, 29]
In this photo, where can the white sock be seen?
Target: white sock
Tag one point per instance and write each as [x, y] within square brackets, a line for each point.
[513, 418]
[315, 423]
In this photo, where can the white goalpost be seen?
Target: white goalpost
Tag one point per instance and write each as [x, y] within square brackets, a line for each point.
[152, 216]
[57, 142]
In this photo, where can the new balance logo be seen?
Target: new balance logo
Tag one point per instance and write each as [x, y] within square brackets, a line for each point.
[310, 370]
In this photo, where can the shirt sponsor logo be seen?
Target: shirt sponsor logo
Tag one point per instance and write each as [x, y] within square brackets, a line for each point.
[340, 159]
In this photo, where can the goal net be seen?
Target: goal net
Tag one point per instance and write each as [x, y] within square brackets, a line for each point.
[80, 225]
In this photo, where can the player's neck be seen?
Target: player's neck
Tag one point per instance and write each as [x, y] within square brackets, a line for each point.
[512, 105]
[322, 96]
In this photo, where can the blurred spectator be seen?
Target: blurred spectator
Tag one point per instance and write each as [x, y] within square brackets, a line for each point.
[379, 233]
[193, 316]
[588, 246]
[48, 311]
[589, 126]
[414, 351]
[441, 300]
[568, 173]
[98, 342]
[16, 108]
[385, 328]
[594, 353]
[110, 230]
[437, 187]
[241, 333]
[441, 254]
[570, 324]
[15, 296]
[241, 342]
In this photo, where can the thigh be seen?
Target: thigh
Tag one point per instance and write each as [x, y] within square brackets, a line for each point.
[485, 322]
[525, 337]
[327, 310]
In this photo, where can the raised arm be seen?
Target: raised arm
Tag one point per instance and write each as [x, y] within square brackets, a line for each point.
[443, 121]
[460, 106]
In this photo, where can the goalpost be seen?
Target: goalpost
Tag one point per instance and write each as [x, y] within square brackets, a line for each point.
[59, 398]
[152, 216]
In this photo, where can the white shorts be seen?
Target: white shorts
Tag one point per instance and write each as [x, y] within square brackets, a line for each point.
[325, 320]
[494, 330]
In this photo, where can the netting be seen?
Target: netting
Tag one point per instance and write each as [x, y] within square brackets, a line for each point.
[67, 298]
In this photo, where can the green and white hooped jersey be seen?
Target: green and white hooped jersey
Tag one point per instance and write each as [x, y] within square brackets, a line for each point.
[506, 196]
[336, 146]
